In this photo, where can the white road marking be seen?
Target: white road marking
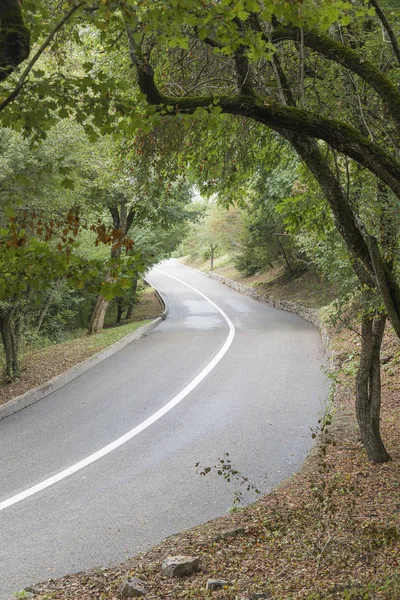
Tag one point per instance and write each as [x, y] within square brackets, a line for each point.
[144, 425]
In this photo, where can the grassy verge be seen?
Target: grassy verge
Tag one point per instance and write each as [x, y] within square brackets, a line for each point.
[331, 532]
[38, 366]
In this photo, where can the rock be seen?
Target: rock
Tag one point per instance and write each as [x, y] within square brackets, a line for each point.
[385, 358]
[179, 566]
[223, 535]
[260, 596]
[215, 584]
[132, 588]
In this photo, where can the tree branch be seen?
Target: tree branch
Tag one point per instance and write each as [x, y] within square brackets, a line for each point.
[388, 28]
[348, 58]
[129, 220]
[115, 215]
[38, 54]
[242, 66]
[339, 135]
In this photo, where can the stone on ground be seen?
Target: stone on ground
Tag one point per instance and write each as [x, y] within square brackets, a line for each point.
[215, 584]
[132, 588]
[179, 566]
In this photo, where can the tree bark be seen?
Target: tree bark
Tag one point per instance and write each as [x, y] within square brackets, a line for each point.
[129, 312]
[285, 257]
[14, 37]
[99, 313]
[368, 389]
[120, 310]
[213, 249]
[9, 335]
[45, 309]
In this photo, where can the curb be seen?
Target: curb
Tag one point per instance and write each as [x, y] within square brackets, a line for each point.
[45, 389]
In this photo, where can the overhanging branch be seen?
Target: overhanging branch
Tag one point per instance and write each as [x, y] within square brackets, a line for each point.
[348, 58]
[339, 135]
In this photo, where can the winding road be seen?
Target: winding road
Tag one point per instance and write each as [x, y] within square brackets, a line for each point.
[105, 467]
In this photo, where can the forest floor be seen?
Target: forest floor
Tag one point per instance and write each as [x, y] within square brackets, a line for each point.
[41, 365]
[331, 531]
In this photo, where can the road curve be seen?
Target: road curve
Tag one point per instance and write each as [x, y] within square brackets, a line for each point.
[254, 389]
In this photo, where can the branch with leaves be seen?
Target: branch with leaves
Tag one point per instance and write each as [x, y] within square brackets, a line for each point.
[22, 80]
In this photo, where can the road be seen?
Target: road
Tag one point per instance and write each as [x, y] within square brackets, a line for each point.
[258, 388]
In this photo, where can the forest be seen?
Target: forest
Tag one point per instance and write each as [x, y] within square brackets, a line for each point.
[265, 134]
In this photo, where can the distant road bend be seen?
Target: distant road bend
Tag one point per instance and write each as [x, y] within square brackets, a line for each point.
[105, 467]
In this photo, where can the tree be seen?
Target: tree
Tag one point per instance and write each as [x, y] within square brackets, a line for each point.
[14, 37]
[134, 194]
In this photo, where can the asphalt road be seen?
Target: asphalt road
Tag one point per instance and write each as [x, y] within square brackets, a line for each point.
[258, 403]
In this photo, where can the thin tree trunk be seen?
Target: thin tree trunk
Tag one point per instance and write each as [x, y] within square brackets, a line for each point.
[129, 312]
[122, 219]
[99, 313]
[368, 389]
[9, 338]
[120, 310]
[285, 256]
[45, 309]
[213, 249]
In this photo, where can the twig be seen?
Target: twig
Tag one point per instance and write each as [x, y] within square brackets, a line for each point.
[321, 553]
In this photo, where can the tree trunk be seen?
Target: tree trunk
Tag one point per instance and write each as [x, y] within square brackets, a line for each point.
[120, 310]
[122, 219]
[45, 309]
[285, 257]
[213, 249]
[9, 335]
[368, 389]
[99, 313]
[129, 312]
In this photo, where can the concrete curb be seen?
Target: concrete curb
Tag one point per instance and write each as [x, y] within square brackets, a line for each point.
[59, 381]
